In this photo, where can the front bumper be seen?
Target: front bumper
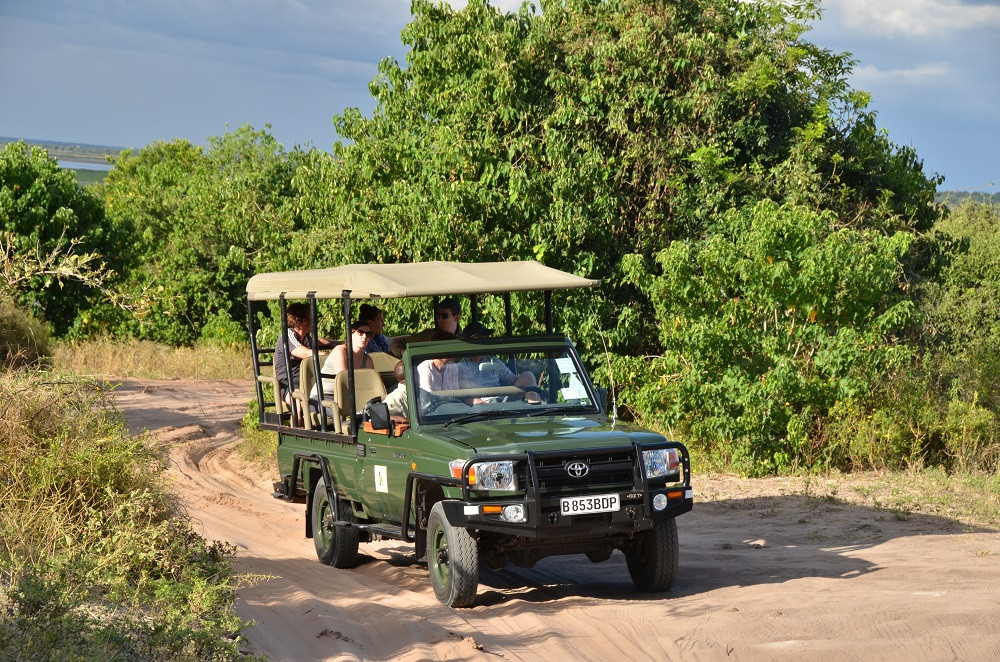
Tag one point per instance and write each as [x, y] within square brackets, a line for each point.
[541, 502]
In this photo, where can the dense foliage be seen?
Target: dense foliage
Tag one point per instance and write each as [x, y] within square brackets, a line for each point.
[198, 222]
[766, 325]
[96, 563]
[53, 238]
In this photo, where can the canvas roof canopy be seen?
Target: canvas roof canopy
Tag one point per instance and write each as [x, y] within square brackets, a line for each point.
[393, 281]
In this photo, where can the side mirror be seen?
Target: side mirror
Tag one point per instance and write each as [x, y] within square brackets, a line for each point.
[602, 395]
[377, 414]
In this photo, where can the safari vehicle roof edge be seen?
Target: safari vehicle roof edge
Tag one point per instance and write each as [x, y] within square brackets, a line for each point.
[416, 279]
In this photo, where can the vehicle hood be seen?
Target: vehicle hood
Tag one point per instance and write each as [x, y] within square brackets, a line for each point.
[520, 434]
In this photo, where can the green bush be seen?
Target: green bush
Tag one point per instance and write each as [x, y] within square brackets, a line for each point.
[24, 341]
[961, 307]
[96, 560]
[57, 246]
[767, 325]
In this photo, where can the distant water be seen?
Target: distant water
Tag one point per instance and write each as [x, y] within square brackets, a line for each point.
[81, 165]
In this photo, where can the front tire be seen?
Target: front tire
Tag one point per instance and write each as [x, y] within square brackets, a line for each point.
[335, 545]
[452, 560]
[652, 562]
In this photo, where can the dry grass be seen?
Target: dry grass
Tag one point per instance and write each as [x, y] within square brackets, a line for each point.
[140, 359]
[973, 499]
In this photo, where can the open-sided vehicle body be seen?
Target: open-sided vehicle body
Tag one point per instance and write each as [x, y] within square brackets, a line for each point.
[508, 453]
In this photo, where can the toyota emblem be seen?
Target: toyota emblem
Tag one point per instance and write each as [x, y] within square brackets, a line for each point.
[577, 469]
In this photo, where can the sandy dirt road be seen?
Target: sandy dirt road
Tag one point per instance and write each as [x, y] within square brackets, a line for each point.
[766, 573]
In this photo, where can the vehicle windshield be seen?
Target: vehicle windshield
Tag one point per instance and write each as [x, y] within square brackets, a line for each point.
[467, 386]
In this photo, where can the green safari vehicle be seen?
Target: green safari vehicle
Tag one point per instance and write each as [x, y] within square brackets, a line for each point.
[507, 452]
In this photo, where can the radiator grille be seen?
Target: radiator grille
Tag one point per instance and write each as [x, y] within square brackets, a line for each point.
[610, 470]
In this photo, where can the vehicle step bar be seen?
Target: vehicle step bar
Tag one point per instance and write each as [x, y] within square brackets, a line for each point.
[390, 532]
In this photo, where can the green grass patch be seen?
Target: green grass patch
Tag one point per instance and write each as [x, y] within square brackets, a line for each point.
[96, 559]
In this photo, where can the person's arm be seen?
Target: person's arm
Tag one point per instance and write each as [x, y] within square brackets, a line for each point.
[339, 355]
[297, 349]
[505, 376]
[301, 352]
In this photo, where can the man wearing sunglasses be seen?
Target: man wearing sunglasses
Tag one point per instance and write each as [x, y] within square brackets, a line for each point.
[447, 315]
[447, 318]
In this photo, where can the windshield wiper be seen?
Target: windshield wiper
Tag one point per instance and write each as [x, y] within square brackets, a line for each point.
[483, 415]
[555, 410]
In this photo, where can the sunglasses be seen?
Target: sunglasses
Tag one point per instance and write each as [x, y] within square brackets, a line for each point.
[363, 332]
[443, 314]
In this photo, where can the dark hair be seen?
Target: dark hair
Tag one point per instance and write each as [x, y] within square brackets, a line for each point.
[368, 312]
[296, 313]
[449, 303]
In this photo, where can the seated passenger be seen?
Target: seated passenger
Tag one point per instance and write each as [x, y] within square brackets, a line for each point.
[336, 362]
[396, 399]
[374, 318]
[447, 315]
[300, 346]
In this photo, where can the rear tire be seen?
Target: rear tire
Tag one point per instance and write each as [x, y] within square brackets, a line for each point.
[452, 560]
[652, 562]
[335, 545]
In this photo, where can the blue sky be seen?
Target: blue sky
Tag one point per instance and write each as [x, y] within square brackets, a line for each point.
[129, 72]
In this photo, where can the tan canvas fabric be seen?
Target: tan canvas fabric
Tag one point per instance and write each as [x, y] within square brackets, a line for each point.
[390, 281]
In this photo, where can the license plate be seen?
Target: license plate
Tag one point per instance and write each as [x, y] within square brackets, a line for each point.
[599, 503]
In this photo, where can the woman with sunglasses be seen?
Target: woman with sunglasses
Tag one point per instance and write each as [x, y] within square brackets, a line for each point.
[336, 362]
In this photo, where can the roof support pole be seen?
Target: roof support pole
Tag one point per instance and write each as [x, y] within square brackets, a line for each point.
[258, 386]
[548, 312]
[314, 324]
[346, 296]
[294, 407]
[508, 314]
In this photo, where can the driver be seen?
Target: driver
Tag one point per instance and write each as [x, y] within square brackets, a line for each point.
[470, 374]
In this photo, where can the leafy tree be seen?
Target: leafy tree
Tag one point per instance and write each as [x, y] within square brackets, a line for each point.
[962, 306]
[766, 326]
[54, 240]
[663, 147]
[598, 130]
[200, 221]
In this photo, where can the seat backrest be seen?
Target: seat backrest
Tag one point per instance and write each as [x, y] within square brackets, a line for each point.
[384, 361]
[266, 376]
[367, 385]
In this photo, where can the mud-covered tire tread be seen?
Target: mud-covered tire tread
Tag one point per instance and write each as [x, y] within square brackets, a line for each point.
[459, 589]
[338, 548]
[653, 562]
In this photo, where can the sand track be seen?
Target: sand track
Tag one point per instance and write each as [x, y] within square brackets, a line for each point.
[764, 575]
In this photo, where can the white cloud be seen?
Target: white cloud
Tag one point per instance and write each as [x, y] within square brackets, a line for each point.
[870, 76]
[914, 18]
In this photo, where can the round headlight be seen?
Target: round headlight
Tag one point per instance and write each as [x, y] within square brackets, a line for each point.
[514, 513]
[659, 502]
[495, 476]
